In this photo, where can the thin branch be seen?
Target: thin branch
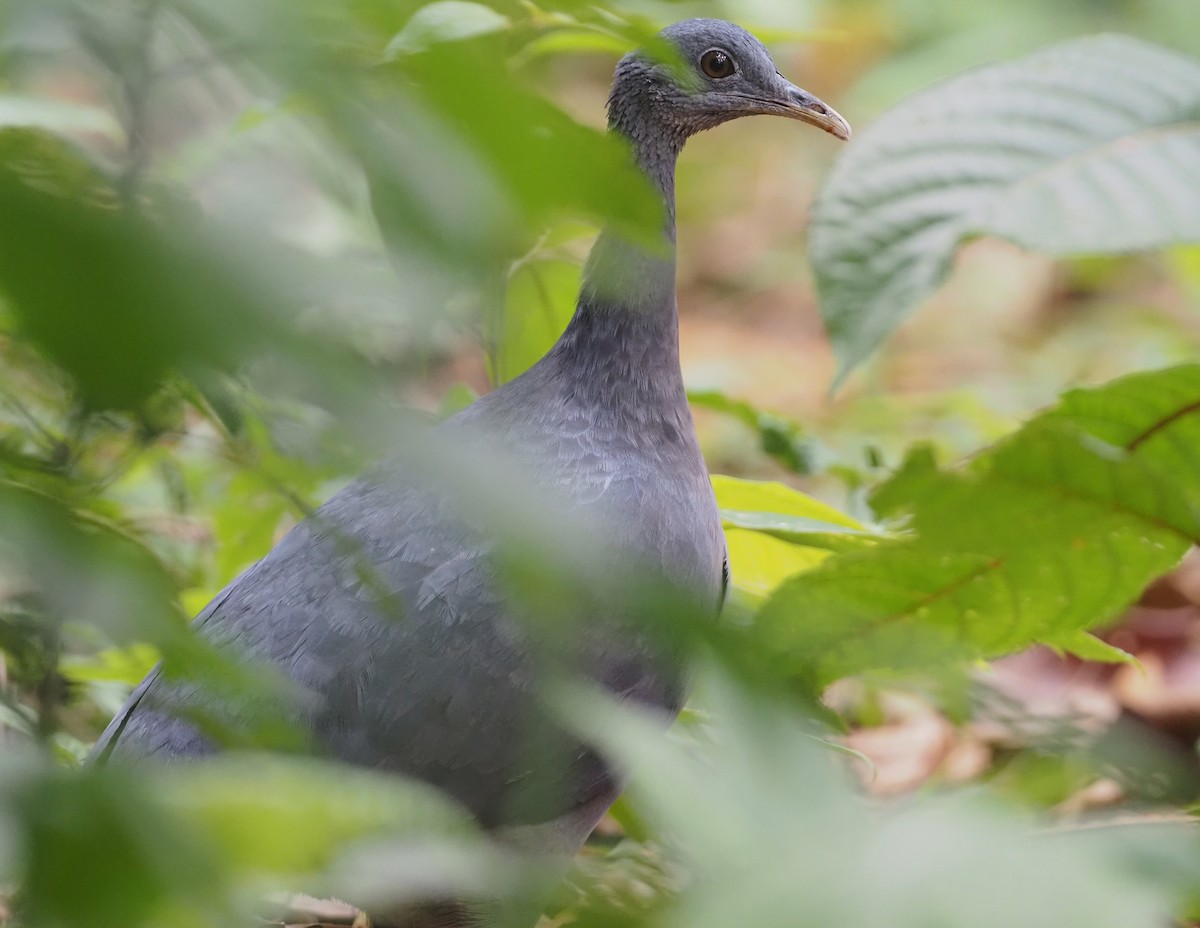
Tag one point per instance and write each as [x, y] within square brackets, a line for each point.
[10, 398]
[136, 78]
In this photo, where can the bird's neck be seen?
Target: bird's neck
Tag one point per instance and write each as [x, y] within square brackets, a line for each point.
[624, 336]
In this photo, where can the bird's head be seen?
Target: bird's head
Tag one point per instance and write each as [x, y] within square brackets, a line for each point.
[720, 72]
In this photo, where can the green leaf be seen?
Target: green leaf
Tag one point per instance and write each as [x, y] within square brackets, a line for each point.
[766, 827]
[86, 570]
[1087, 146]
[50, 164]
[445, 21]
[1053, 531]
[539, 303]
[245, 521]
[773, 497]
[781, 438]
[58, 116]
[774, 532]
[485, 173]
[288, 815]
[573, 40]
[798, 530]
[97, 851]
[759, 563]
[1090, 648]
[118, 300]
[120, 665]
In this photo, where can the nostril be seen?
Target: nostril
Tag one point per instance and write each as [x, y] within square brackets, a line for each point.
[820, 108]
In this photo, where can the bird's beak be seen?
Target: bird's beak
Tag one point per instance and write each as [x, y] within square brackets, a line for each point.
[796, 103]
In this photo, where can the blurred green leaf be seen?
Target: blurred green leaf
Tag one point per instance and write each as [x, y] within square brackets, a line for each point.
[539, 165]
[120, 665]
[573, 40]
[116, 584]
[100, 852]
[783, 439]
[57, 116]
[1086, 146]
[458, 397]
[539, 303]
[47, 163]
[118, 300]
[247, 521]
[772, 835]
[293, 816]
[445, 21]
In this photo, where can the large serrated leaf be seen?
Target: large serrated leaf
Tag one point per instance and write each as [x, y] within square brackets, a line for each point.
[1050, 533]
[1088, 146]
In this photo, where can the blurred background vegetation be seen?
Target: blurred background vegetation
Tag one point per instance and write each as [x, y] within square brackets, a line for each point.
[245, 247]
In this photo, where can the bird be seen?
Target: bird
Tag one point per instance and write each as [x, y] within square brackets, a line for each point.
[446, 694]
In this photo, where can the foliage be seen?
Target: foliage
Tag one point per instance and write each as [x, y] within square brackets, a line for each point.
[232, 234]
[1086, 147]
[803, 849]
[1110, 463]
[781, 438]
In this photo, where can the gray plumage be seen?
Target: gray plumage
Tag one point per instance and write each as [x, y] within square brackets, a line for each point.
[447, 692]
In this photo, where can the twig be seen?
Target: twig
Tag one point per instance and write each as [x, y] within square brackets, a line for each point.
[137, 80]
[49, 688]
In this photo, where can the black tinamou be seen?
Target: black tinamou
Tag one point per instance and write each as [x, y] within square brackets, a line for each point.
[446, 692]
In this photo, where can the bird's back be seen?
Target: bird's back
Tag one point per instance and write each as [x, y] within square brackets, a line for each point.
[385, 609]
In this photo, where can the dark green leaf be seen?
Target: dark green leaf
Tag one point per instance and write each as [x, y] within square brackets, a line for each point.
[1050, 533]
[117, 299]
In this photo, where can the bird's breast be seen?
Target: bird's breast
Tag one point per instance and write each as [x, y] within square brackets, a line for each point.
[657, 507]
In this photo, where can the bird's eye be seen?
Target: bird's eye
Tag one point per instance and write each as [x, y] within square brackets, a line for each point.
[716, 63]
